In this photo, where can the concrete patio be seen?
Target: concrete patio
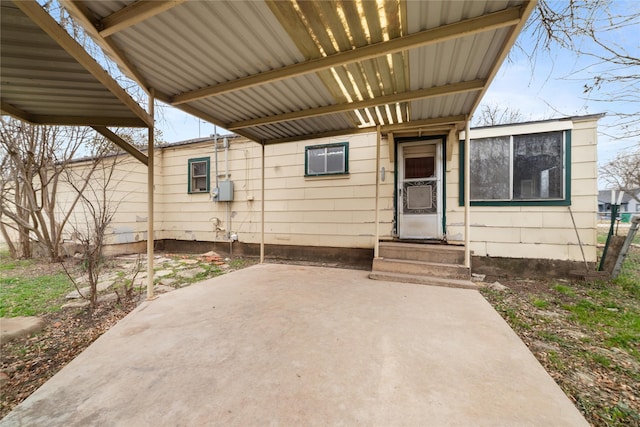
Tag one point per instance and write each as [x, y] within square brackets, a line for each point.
[295, 345]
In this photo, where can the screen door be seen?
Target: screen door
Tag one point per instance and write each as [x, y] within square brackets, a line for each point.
[419, 190]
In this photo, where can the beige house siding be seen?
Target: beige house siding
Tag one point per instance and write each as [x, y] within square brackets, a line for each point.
[339, 211]
[336, 211]
[326, 211]
[127, 195]
[184, 216]
[543, 232]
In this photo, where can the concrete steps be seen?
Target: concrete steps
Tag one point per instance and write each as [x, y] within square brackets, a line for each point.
[422, 268]
[429, 264]
[438, 253]
[423, 280]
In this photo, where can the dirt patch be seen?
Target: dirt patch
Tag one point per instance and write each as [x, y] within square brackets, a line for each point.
[29, 362]
[586, 336]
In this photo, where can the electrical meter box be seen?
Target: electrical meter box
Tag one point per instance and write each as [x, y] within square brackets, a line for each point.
[225, 191]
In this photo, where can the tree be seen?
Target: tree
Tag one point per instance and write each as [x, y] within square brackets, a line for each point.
[33, 159]
[623, 173]
[97, 209]
[604, 32]
[492, 114]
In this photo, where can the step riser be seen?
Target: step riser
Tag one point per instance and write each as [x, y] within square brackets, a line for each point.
[417, 268]
[423, 280]
[426, 254]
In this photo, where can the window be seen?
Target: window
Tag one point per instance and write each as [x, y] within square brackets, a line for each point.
[199, 175]
[538, 166]
[490, 167]
[520, 169]
[419, 167]
[328, 159]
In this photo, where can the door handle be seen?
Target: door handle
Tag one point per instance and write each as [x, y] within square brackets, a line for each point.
[399, 192]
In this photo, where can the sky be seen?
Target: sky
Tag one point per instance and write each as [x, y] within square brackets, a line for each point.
[553, 84]
[550, 87]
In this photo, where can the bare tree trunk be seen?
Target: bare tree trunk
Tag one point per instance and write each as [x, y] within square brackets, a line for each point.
[34, 158]
[99, 208]
[5, 235]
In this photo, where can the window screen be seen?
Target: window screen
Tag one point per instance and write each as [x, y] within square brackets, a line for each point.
[537, 166]
[490, 166]
[327, 159]
[518, 167]
[199, 175]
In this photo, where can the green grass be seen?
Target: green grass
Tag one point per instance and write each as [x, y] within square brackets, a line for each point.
[552, 337]
[621, 325]
[540, 303]
[599, 359]
[20, 296]
[564, 290]
[621, 231]
[596, 328]
[621, 414]
[13, 264]
[24, 296]
[629, 277]
[556, 360]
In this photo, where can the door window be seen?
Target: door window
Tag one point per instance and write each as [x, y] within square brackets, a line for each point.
[419, 167]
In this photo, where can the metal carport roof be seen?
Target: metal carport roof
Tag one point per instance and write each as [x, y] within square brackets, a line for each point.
[275, 71]
[269, 70]
[47, 78]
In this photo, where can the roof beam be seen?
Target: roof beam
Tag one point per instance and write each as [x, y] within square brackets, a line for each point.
[42, 119]
[40, 17]
[15, 112]
[452, 89]
[81, 13]
[134, 14]
[202, 115]
[427, 123]
[122, 144]
[492, 21]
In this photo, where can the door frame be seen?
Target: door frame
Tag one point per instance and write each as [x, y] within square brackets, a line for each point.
[442, 190]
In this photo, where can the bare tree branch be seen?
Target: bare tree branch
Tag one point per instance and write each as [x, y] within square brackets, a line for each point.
[623, 173]
[605, 32]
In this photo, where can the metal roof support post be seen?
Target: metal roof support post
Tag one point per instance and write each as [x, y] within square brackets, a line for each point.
[467, 195]
[262, 209]
[150, 174]
[376, 242]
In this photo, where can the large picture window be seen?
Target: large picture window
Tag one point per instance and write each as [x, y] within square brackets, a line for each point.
[538, 166]
[199, 175]
[330, 159]
[529, 168]
[490, 168]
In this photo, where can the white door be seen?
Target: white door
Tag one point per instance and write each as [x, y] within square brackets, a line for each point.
[419, 201]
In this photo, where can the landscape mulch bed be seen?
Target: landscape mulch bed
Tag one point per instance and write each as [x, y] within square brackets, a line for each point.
[28, 363]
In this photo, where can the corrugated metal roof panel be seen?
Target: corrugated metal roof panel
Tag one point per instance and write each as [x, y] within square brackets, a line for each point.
[216, 42]
[41, 81]
[304, 127]
[187, 52]
[279, 97]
